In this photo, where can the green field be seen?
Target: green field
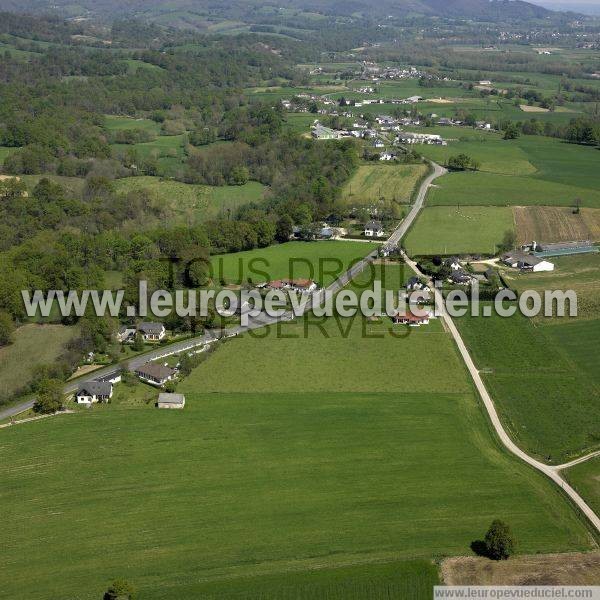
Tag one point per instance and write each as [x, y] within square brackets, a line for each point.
[4, 152]
[585, 478]
[580, 273]
[321, 261]
[262, 476]
[459, 230]
[34, 345]
[544, 377]
[561, 172]
[167, 149]
[114, 123]
[501, 190]
[372, 183]
[190, 203]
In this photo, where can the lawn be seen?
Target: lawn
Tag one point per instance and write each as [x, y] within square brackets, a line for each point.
[372, 183]
[544, 377]
[459, 230]
[585, 478]
[194, 203]
[321, 261]
[34, 345]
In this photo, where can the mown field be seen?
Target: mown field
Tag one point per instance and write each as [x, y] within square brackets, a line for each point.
[260, 476]
[190, 203]
[544, 379]
[321, 261]
[459, 230]
[585, 478]
[34, 345]
[372, 183]
[556, 224]
[532, 170]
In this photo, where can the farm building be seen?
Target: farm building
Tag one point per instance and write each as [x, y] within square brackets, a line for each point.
[374, 229]
[155, 374]
[170, 400]
[321, 132]
[526, 262]
[564, 249]
[91, 392]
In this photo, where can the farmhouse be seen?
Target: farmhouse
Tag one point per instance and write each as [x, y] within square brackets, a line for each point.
[387, 156]
[170, 400]
[152, 332]
[91, 392]
[526, 262]
[155, 374]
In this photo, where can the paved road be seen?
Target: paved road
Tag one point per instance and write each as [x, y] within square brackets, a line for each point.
[401, 230]
[550, 471]
[255, 322]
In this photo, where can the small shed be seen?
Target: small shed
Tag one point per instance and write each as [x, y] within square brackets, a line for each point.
[170, 400]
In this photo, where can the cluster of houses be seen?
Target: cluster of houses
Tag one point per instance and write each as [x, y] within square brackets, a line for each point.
[421, 138]
[101, 390]
[150, 332]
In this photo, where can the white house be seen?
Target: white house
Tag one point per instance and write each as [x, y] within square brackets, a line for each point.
[152, 332]
[374, 229]
[387, 156]
[91, 392]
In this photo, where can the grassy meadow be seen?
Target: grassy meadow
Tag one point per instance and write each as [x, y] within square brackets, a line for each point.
[34, 345]
[459, 230]
[372, 183]
[322, 261]
[585, 478]
[532, 170]
[191, 203]
[293, 461]
[580, 273]
[544, 378]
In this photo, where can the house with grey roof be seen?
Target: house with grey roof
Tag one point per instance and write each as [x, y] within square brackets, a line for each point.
[155, 374]
[91, 392]
[152, 332]
[526, 262]
[374, 229]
